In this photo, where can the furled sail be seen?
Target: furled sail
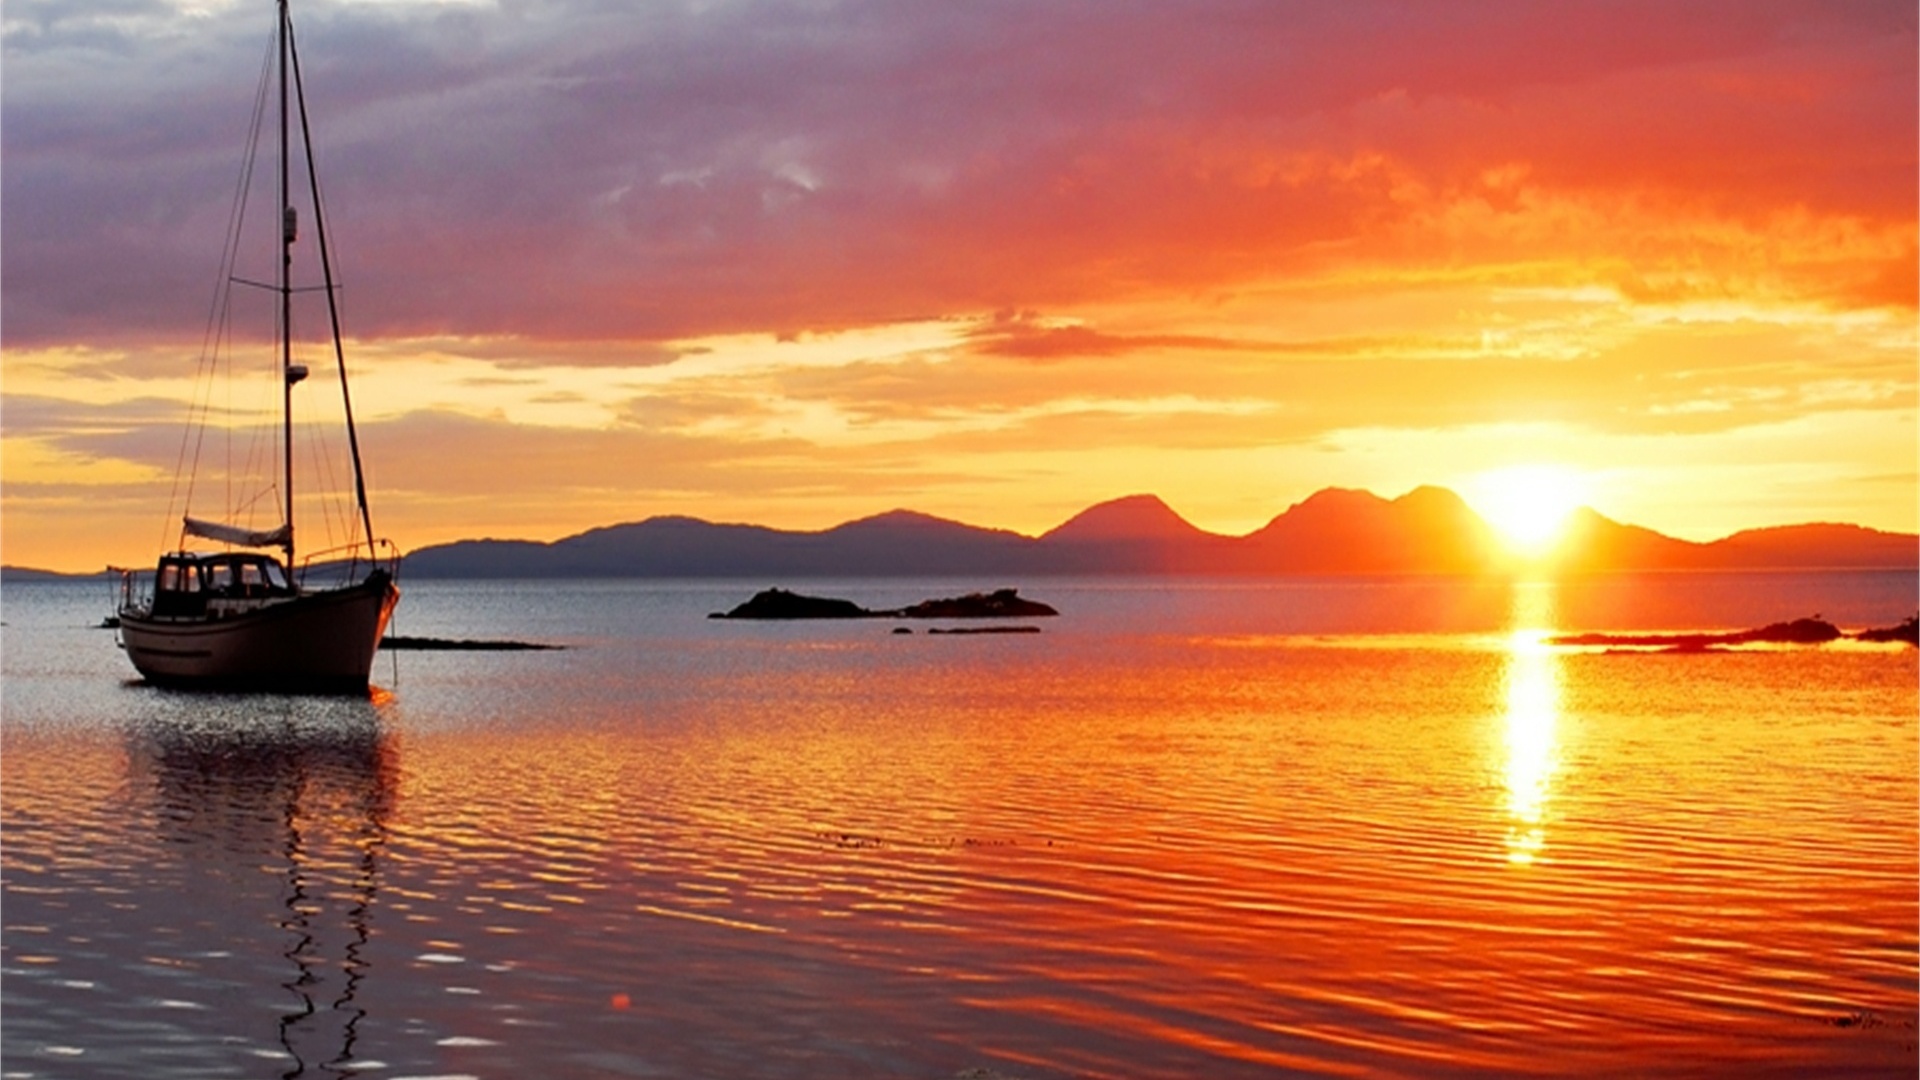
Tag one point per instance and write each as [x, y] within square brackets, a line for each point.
[234, 534]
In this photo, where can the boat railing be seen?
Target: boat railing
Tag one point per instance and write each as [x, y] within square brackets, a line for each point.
[131, 597]
[336, 566]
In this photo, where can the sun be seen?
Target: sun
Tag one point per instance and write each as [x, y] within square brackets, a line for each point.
[1528, 505]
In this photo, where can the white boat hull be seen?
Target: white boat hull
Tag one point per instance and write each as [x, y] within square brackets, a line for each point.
[319, 641]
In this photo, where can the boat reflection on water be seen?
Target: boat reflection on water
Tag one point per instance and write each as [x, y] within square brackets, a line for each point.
[1532, 719]
[303, 788]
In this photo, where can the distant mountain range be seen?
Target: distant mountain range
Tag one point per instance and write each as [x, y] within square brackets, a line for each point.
[1429, 530]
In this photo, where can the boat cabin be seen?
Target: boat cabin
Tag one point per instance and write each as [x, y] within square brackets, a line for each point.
[185, 585]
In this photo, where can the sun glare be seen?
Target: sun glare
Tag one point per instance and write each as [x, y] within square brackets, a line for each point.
[1527, 505]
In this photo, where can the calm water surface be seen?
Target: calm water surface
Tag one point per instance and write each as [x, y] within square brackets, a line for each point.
[1226, 829]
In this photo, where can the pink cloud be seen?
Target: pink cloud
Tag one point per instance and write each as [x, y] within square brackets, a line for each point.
[574, 173]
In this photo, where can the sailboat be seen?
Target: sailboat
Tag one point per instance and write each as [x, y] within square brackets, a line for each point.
[241, 617]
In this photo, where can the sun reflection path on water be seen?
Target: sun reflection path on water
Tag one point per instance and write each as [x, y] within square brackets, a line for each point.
[1532, 717]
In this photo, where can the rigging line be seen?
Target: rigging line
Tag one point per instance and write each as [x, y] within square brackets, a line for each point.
[220, 310]
[258, 463]
[333, 307]
[283, 213]
[339, 514]
[259, 473]
[259, 469]
[226, 424]
[320, 460]
[275, 288]
[223, 347]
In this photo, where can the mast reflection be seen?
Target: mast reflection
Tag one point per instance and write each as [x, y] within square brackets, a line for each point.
[1532, 717]
[306, 784]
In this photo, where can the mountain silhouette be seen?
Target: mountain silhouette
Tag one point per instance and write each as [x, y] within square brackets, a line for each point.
[896, 543]
[1134, 518]
[1135, 534]
[1429, 530]
[1603, 543]
[1826, 545]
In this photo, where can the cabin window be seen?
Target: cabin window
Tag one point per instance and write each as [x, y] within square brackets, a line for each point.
[177, 590]
[219, 578]
[277, 578]
[250, 575]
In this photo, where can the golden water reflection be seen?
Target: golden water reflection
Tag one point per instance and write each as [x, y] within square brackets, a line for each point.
[1532, 719]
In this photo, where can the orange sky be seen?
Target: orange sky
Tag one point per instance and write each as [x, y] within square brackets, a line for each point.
[799, 264]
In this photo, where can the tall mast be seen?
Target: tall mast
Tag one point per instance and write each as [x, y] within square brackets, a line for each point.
[286, 295]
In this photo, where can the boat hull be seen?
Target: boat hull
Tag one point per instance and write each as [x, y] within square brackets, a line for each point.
[318, 642]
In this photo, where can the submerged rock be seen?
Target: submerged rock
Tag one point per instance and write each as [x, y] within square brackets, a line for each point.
[461, 644]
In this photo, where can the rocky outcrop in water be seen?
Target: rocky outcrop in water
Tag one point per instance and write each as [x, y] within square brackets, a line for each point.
[1908, 631]
[1813, 631]
[998, 604]
[1798, 632]
[781, 604]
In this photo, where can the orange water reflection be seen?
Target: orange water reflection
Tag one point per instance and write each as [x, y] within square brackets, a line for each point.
[1234, 853]
[1532, 719]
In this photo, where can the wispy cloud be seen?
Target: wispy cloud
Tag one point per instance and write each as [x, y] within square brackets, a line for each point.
[572, 171]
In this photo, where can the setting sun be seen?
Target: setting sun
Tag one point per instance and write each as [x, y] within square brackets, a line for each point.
[1527, 505]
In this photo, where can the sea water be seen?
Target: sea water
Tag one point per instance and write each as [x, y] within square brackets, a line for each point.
[1191, 828]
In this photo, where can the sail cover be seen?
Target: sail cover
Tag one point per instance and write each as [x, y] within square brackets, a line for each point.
[234, 534]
